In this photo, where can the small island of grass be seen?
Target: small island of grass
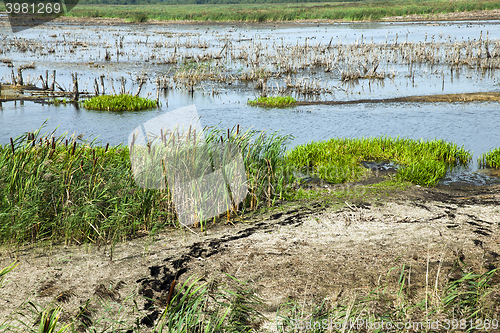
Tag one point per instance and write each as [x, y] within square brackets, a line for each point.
[277, 101]
[118, 103]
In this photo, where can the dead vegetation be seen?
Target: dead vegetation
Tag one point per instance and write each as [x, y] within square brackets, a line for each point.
[306, 69]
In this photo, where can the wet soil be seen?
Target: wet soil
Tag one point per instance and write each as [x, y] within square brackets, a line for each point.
[341, 242]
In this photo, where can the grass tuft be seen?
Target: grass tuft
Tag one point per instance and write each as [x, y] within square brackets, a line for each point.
[490, 159]
[277, 101]
[339, 160]
[118, 103]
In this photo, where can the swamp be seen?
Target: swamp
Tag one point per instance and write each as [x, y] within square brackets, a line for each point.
[370, 151]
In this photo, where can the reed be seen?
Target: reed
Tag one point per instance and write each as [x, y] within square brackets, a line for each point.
[339, 160]
[490, 159]
[277, 101]
[60, 189]
[118, 103]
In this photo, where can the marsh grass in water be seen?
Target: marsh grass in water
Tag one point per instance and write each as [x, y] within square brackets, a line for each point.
[490, 159]
[277, 101]
[118, 103]
[62, 189]
[339, 160]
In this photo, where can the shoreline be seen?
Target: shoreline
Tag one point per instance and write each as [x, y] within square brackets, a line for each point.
[474, 16]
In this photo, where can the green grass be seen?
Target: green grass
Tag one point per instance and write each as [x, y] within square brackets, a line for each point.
[338, 160]
[278, 101]
[118, 103]
[59, 189]
[490, 159]
[359, 10]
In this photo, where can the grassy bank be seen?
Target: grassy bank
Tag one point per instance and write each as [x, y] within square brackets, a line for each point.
[490, 159]
[60, 189]
[339, 160]
[361, 10]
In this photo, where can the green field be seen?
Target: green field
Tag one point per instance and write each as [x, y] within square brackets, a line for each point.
[362, 10]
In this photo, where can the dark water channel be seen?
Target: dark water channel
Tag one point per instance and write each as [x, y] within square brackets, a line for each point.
[146, 49]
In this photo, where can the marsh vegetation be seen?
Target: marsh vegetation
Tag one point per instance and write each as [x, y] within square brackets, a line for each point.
[272, 12]
[339, 160]
[118, 103]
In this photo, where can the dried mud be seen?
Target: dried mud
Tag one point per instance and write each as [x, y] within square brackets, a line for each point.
[313, 249]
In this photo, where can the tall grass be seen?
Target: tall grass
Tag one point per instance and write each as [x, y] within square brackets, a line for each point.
[339, 160]
[359, 10]
[490, 159]
[60, 189]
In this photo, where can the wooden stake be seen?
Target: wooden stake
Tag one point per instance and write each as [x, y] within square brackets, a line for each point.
[102, 85]
[75, 86]
[53, 85]
[19, 80]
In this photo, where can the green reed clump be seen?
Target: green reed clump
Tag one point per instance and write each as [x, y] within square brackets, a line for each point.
[277, 101]
[122, 102]
[338, 160]
[58, 189]
[263, 155]
[53, 188]
[490, 159]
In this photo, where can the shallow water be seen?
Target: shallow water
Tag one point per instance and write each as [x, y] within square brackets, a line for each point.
[474, 125]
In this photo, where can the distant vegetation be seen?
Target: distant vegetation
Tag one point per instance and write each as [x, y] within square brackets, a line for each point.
[259, 12]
